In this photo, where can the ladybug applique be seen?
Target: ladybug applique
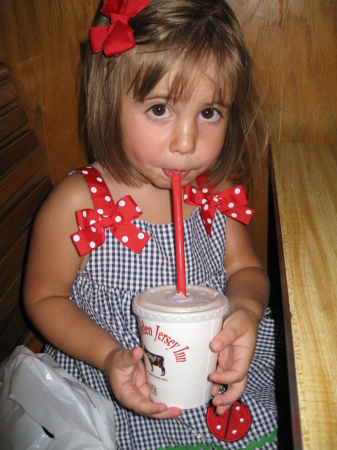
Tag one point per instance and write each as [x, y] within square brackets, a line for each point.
[231, 426]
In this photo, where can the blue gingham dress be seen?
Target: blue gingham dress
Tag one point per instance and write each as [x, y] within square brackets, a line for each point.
[104, 290]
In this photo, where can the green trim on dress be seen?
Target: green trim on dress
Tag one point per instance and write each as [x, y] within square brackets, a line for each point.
[252, 445]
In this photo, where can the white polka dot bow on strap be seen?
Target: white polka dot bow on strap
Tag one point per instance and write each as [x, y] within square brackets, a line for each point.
[93, 222]
[230, 202]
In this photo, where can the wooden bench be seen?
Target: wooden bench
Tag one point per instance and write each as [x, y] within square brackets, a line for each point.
[22, 190]
[305, 200]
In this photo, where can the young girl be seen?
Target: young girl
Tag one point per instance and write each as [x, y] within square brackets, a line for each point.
[169, 87]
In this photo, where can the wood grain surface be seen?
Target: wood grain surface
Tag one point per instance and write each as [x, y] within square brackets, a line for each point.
[41, 45]
[293, 44]
[22, 190]
[306, 197]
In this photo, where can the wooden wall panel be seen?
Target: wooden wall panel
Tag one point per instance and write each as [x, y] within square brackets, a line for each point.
[309, 112]
[41, 46]
[22, 191]
[293, 43]
[263, 24]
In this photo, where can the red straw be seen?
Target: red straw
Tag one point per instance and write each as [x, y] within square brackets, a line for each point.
[179, 233]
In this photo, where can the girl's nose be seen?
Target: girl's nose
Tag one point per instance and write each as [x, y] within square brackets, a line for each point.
[184, 138]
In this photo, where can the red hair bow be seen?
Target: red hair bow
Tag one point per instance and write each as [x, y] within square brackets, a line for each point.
[117, 37]
[230, 202]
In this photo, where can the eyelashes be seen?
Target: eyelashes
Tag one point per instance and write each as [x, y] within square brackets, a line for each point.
[159, 111]
[162, 111]
[211, 114]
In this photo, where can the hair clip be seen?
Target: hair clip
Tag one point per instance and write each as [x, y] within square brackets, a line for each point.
[117, 37]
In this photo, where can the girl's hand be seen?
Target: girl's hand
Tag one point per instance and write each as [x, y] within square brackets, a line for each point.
[127, 375]
[235, 345]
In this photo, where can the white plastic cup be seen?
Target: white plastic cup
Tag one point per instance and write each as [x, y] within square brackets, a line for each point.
[175, 333]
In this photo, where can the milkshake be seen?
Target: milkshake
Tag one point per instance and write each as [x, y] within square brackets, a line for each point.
[175, 332]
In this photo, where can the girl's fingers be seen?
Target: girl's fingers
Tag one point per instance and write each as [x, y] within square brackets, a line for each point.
[155, 410]
[133, 389]
[232, 376]
[170, 413]
[130, 358]
[122, 359]
[160, 411]
[215, 388]
[233, 393]
[223, 340]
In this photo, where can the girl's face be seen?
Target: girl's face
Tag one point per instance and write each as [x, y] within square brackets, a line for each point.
[161, 135]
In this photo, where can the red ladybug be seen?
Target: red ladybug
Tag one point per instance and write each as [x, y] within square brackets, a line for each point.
[231, 426]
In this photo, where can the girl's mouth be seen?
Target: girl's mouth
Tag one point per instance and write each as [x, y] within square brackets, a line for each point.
[169, 172]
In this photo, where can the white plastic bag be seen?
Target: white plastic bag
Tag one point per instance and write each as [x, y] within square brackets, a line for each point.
[43, 407]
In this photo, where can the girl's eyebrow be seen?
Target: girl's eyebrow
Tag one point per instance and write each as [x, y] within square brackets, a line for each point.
[159, 95]
[221, 104]
[218, 103]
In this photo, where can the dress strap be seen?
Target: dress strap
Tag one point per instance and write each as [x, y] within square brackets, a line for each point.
[118, 217]
[99, 191]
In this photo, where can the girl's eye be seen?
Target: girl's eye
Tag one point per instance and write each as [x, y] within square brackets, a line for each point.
[210, 114]
[159, 111]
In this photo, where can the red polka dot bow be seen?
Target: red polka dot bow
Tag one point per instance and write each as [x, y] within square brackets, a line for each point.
[117, 37]
[93, 222]
[230, 202]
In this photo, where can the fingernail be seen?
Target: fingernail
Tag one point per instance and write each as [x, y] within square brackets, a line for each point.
[216, 345]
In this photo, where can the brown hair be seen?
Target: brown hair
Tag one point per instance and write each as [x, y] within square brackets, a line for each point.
[196, 33]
